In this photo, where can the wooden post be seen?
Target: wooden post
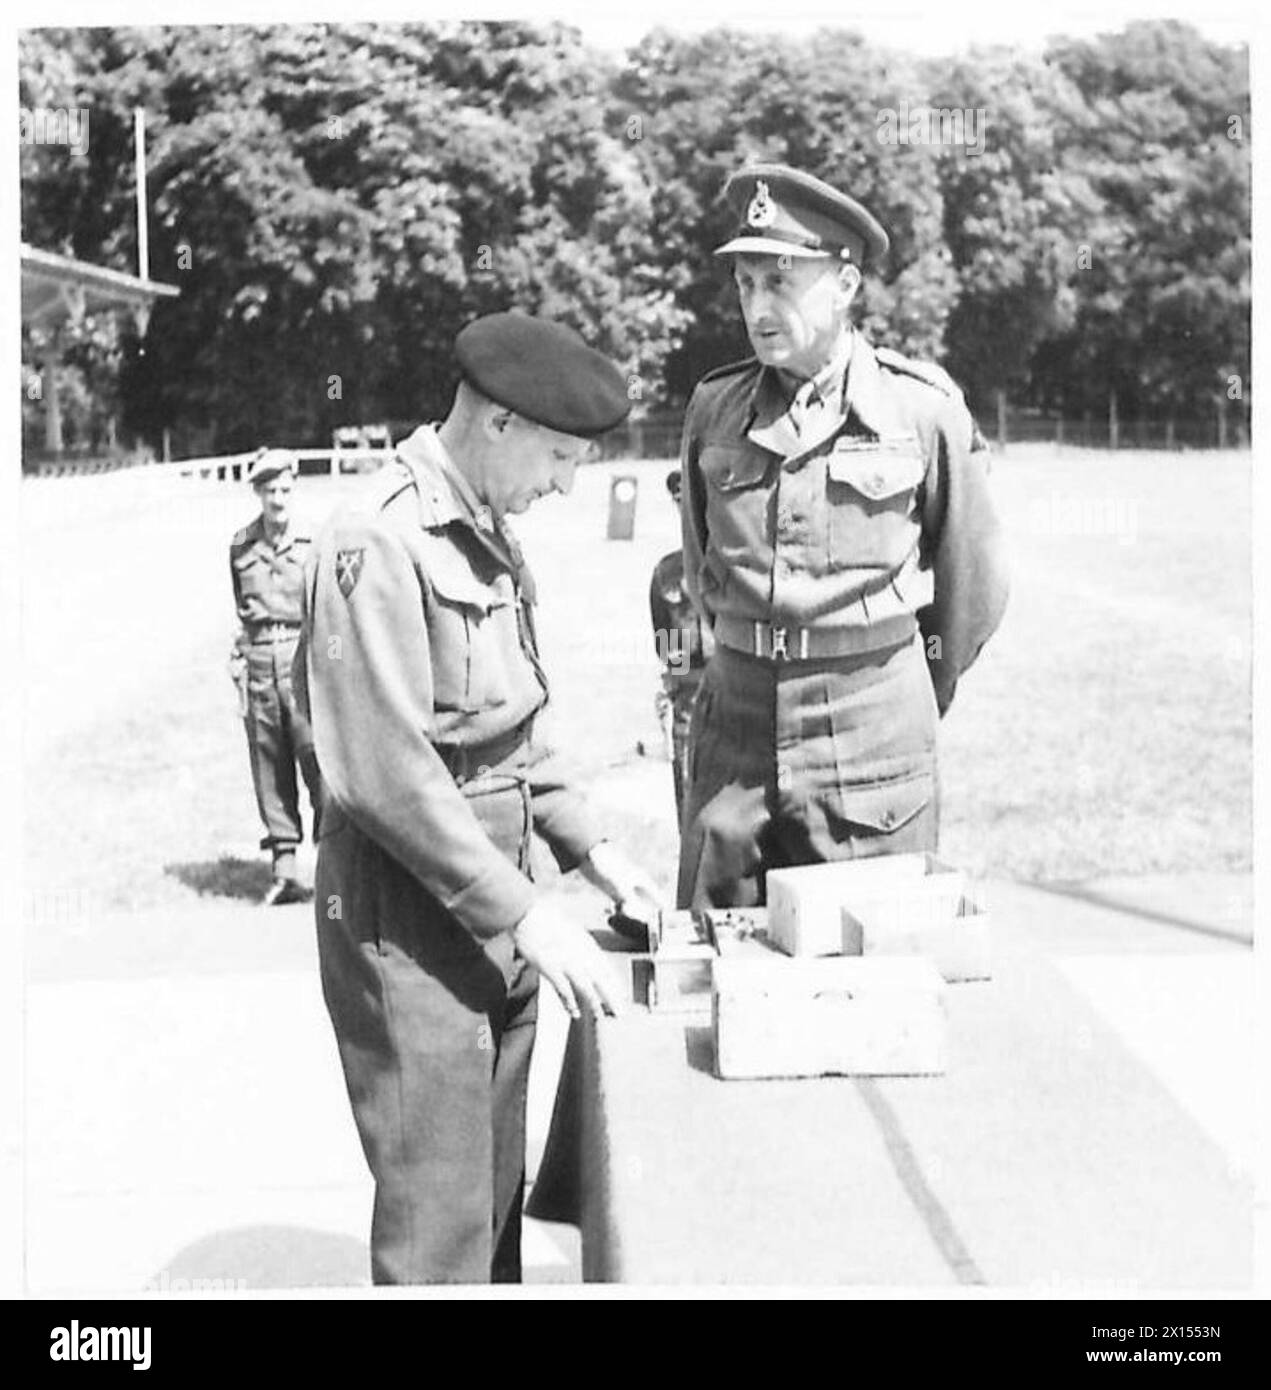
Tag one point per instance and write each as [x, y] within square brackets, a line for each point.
[1114, 425]
[143, 224]
[1219, 406]
[167, 444]
[1001, 418]
[52, 405]
[1059, 431]
[1169, 433]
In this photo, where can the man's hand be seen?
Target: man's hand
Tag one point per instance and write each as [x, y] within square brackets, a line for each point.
[569, 960]
[633, 892]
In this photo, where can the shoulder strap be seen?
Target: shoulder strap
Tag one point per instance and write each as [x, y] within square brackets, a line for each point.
[730, 369]
[928, 372]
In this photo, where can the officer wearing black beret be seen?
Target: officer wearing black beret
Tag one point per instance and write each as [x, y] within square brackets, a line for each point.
[423, 680]
[841, 542]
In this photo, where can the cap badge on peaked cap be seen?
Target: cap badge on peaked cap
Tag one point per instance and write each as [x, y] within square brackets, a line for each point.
[762, 211]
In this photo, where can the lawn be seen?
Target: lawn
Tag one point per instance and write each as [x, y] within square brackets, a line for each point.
[1106, 729]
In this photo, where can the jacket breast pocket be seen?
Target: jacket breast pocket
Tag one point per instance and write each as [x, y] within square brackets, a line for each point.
[476, 653]
[251, 574]
[871, 490]
[736, 496]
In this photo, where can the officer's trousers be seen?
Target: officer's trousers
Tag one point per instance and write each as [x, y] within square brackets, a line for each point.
[803, 762]
[278, 737]
[435, 1033]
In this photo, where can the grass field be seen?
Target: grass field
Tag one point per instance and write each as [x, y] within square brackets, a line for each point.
[1106, 729]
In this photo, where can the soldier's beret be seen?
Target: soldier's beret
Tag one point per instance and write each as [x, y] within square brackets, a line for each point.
[785, 212]
[269, 463]
[543, 371]
[674, 480]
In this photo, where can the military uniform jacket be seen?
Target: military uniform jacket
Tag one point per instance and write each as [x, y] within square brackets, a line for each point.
[268, 580]
[419, 642]
[882, 515]
[683, 643]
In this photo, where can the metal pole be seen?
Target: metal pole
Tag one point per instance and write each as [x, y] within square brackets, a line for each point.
[143, 228]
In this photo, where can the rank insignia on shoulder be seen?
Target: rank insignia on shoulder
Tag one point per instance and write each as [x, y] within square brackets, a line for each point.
[348, 569]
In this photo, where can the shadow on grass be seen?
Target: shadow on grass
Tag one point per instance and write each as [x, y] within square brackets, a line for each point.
[265, 1257]
[226, 877]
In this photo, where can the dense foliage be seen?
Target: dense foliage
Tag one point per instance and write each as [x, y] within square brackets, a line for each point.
[335, 201]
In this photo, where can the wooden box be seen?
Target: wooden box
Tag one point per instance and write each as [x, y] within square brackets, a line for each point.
[841, 1016]
[680, 967]
[686, 945]
[957, 942]
[805, 904]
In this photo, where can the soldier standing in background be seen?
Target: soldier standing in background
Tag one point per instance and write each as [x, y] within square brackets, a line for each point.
[840, 539]
[267, 569]
[683, 645]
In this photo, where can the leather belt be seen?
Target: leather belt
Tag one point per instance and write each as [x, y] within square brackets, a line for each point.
[466, 762]
[273, 632]
[776, 642]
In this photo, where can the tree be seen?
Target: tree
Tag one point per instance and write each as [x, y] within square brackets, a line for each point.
[1163, 313]
[698, 108]
[1015, 215]
[335, 201]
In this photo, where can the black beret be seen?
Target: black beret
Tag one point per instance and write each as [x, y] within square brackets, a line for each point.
[784, 211]
[543, 371]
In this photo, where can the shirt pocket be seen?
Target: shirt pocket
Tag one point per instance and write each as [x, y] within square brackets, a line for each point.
[475, 645]
[871, 506]
[736, 497]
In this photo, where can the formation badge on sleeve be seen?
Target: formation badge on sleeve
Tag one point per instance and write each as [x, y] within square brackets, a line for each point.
[348, 568]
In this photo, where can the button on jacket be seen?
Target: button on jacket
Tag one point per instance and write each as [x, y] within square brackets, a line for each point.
[868, 510]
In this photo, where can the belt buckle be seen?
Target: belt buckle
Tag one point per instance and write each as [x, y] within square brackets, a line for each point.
[779, 650]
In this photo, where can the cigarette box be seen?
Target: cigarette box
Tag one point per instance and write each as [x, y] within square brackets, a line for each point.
[806, 904]
[957, 942]
[686, 943]
[680, 967]
[839, 1016]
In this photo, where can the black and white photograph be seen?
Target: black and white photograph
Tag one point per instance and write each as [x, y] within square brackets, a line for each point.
[631, 660]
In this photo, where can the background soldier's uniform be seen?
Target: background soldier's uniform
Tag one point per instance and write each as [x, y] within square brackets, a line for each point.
[683, 643]
[826, 540]
[423, 681]
[268, 586]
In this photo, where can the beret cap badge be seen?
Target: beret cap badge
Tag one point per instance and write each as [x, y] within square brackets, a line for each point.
[762, 211]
